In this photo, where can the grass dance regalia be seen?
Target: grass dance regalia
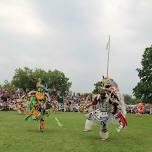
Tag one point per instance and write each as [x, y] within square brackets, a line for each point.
[109, 107]
[37, 105]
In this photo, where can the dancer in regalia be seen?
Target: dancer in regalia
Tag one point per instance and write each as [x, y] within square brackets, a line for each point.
[109, 107]
[37, 109]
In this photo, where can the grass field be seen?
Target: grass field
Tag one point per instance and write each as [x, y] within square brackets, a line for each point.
[17, 135]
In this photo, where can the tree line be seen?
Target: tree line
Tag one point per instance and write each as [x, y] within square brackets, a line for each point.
[26, 79]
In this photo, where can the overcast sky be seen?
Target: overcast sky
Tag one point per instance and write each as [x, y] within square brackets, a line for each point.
[71, 35]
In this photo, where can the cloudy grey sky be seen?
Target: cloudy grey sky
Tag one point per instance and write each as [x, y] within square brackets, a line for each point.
[71, 35]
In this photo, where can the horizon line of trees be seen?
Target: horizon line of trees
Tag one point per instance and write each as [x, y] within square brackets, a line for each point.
[26, 79]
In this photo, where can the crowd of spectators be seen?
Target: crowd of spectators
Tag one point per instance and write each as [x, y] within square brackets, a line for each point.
[9, 99]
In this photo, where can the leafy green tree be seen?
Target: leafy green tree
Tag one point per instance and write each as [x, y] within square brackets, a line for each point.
[56, 81]
[8, 86]
[97, 87]
[39, 73]
[143, 90]
[127, 99]
[23, 78]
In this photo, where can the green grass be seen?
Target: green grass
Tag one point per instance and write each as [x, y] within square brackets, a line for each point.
[17, 135]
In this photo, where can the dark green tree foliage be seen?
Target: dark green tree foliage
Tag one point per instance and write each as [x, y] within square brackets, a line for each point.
[39, 73]
[143, 89]
[7, 86]
[23, 78]
[127, 98]
[97, 87]
[56, 81]
[130, 100]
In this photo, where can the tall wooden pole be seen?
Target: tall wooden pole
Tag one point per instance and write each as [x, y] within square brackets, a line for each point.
[108, 48]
